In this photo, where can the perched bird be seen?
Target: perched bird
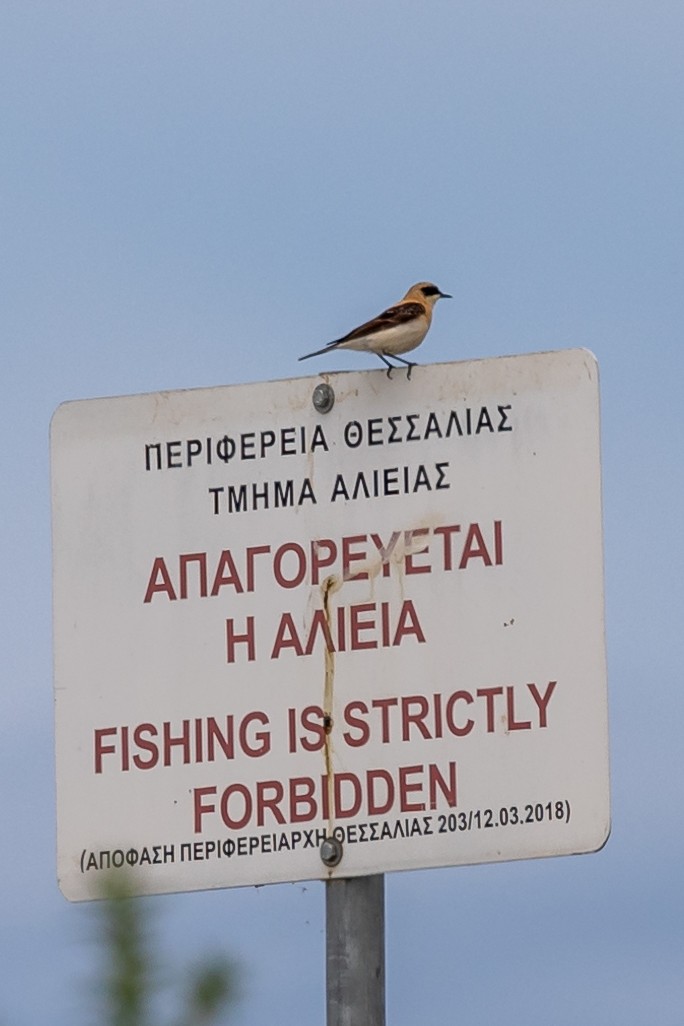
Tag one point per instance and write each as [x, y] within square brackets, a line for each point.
[399, 329]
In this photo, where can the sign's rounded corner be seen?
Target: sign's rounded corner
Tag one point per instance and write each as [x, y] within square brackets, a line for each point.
[67, 892]
[607, 830]
[590, 358]
[58, 414]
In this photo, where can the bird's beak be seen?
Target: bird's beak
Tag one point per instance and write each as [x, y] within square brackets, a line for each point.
[445, 295]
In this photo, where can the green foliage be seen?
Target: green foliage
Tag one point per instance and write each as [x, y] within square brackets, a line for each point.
[130, 986]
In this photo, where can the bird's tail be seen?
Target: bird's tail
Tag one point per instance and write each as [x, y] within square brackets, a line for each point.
[318, 352]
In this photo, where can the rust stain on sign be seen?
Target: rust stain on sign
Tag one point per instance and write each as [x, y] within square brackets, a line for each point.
[402, 545]
[328, 588]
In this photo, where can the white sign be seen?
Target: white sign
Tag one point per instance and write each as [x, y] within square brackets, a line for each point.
[382, 623]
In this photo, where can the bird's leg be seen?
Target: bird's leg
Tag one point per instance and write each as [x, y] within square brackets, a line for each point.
[408, 364]
[390, 366]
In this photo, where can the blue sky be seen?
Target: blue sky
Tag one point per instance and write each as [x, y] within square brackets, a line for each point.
[194, 195]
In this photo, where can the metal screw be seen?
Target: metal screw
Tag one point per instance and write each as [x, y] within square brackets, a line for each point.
[323, 398]
[331, 851]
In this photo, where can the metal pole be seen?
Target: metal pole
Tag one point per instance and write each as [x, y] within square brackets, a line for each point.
[355, 951]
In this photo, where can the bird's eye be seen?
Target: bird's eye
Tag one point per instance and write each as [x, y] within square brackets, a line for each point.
[431, 290]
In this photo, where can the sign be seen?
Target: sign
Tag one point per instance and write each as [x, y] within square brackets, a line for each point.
[381, 623]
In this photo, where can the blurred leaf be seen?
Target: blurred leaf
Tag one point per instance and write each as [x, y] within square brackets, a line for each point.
[130, 982]
[211, 988]
[127, 983]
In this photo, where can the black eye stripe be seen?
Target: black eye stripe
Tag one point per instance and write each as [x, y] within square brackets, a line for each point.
[431, 290]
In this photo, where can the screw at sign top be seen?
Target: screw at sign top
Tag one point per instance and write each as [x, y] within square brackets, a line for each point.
[323, 398]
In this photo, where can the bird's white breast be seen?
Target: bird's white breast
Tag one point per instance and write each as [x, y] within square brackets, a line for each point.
[400, 338]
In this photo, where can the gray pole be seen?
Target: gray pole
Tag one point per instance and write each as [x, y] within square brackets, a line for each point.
[355, 951]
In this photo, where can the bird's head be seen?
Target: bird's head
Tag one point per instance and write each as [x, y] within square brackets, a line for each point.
[426, 292]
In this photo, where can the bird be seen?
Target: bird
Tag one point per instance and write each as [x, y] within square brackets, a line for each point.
[397, 330]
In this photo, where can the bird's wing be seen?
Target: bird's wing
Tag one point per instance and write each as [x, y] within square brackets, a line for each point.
[390, 318]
